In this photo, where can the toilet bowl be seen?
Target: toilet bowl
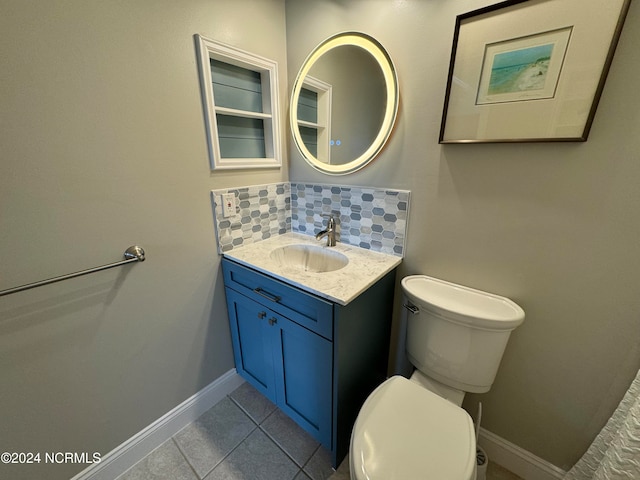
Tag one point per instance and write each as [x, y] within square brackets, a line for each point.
[416, 429]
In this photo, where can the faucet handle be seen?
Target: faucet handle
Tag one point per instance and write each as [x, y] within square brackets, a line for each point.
[331, 222]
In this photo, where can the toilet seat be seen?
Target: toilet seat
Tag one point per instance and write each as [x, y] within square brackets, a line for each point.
[405, 432]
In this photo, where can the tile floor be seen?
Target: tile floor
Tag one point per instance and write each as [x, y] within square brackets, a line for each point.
[245, 437]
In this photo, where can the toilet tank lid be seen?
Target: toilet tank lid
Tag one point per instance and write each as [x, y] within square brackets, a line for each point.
[468, 304]
[405, 431]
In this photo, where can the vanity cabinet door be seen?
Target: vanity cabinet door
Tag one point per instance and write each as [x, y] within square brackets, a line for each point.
[303, 369]
[250, 332]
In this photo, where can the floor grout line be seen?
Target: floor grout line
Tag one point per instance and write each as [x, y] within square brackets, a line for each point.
[185, 457]
[301, 468]
[258, 427]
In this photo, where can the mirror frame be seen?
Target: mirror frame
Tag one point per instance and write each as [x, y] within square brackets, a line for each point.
[373, 47]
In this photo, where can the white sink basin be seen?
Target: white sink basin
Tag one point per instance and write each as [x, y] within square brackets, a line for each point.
[309, 258]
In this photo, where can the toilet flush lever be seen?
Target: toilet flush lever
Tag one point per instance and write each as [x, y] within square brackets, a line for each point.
[412, 308]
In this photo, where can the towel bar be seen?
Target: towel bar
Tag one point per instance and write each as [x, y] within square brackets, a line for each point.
[131, 254]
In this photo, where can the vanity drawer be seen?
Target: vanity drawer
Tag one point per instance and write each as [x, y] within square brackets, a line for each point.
[308, 310]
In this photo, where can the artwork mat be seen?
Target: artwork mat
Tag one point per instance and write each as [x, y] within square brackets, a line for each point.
[567, 116]
[559, 39]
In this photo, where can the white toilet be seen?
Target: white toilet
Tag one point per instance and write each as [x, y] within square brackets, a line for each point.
[415, 429]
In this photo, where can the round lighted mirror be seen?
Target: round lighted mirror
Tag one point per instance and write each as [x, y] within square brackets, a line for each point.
[344, 103]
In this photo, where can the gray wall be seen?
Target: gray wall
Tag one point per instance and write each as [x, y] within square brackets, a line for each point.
[103, 146]
[553, 226]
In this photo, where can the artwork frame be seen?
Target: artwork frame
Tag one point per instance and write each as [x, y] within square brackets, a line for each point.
[529, 70]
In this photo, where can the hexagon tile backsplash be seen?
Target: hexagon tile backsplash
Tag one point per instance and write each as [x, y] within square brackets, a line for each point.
[368, 217]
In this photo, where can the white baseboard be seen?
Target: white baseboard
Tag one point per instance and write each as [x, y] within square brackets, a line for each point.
[126, 455]
[516, 459]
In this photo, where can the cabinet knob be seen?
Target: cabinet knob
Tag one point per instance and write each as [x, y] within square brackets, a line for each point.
[262, 314]
[273, 321]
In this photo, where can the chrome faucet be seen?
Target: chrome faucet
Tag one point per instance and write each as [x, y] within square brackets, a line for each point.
[329, 232]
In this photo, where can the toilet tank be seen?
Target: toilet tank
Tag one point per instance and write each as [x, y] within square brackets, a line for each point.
[457, 334]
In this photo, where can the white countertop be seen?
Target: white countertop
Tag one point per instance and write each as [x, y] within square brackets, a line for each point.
[341, 286]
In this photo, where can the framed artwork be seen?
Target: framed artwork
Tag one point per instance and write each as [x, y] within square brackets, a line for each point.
[529, 70]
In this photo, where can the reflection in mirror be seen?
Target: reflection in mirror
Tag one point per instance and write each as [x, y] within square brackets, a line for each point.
[358, 97]
[346, 99]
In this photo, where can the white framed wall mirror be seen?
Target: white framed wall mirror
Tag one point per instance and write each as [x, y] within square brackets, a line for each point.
[344, 103]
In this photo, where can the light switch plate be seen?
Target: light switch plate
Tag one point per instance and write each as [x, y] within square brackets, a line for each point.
[228, 205]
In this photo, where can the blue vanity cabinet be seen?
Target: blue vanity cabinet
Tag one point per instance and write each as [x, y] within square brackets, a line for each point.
[316, 360]
[284, 361]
